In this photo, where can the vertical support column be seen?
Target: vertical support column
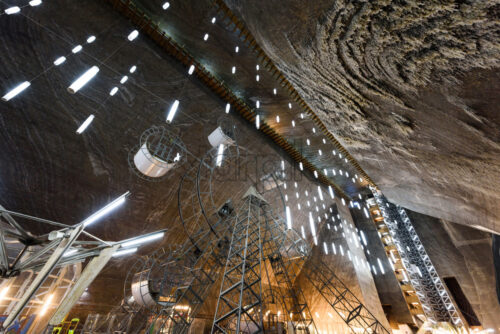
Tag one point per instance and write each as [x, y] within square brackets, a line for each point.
[88, 275]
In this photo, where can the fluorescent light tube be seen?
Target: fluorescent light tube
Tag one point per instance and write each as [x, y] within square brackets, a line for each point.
[83, 79]
[205, 37]
[191, 69]
[237, 49]
[132, 69]
[325, 248]
[124, 79]
[85, 124]
[228, 107]
[257, 121]
[257, 77]
[213, 20]
[18, 89]
[330, 190]
[311, 223]
[34, 3]
[59, 61]
[289, 106]
[133, 35]
[91, 39]
[288, 218]
[320, 193]
[220, 155]
[105, 210]
[125, 251]
[301, 166]
[143, 240]
[277, 119]
[77, 49]
[113, 91]
[233, 69]
[172, 111]
[166, 5]
[46, 305]
[70, 252]
[12, 10]
[380, 266]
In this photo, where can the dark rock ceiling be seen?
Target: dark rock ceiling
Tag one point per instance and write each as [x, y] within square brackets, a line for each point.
[410, 88]
[411, 91]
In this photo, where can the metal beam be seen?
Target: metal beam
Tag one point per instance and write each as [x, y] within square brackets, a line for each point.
[42, 275]
[88, 275]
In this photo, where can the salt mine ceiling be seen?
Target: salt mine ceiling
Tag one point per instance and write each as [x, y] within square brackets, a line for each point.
[402, 96]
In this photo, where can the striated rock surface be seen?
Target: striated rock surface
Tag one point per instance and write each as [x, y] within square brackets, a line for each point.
[410, 88]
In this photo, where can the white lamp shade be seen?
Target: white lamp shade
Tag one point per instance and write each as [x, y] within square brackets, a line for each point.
[218, 137]
[150, 165]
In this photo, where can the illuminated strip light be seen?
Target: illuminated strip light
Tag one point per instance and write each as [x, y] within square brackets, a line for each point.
[105, 210]
[91, 39]
[125, 251]
[143, 240]
[132, 69]
[363, 238]
[18, 89]
[77, 49]
[320, 193]
[85, 124]
[303, 232]
[46, 304]
[12, 10]
[4, 292]
[228, 107]
[113, 91]
[301, 166]
[311, 224]
[257, 122]
[165, 5]
[59, 61]
[366, 212]
[334, 249]
[172, 111]
[34, 3]
[380, 266]
[341, 250]
[83, 79]
[220, 155]
[325, 248]
[123, 79]
[374, 270]
[133, 35]
[343, 201]
[288, 218]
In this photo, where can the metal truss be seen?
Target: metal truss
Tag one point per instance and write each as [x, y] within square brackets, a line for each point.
[239, 307]
[285, 251]
[342, 300]
[436, 302]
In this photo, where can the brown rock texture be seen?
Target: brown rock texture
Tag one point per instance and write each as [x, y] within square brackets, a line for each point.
[410, 88]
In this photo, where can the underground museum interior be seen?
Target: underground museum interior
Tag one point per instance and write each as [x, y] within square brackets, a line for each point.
[229, 166]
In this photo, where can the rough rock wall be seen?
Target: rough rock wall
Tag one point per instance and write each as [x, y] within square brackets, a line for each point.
[409, 87]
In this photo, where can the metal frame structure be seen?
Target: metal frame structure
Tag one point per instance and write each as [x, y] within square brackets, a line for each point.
[235, 240]
[51, 253]
[435, 300]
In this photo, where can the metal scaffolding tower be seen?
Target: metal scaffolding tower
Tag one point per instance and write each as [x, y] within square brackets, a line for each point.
[436, 302]
[244, 243]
